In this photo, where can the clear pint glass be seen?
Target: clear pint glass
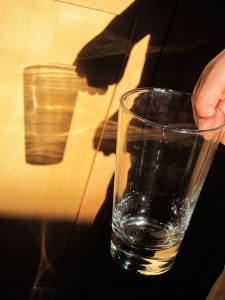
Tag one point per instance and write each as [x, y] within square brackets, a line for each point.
[162, 161]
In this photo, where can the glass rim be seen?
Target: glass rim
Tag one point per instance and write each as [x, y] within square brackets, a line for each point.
[160, 126]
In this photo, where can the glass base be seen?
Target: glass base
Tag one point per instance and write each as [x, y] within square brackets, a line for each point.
[139, 264]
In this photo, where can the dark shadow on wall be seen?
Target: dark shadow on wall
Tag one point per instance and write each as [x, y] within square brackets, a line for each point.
[198, 264]
[182, 42]
[32, 255]
[175, 58]
[103, 60]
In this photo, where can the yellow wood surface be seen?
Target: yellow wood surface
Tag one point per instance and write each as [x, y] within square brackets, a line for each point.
[38, 32]
[115, 7]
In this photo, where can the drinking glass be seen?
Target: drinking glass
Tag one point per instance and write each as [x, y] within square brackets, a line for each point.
[162, 160]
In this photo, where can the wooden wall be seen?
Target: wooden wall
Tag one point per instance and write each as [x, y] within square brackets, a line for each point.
[53, 217]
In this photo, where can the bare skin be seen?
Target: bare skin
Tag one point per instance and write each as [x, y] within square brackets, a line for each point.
[209, 95]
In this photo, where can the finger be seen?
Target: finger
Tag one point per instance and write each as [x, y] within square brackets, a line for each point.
[209, 89]
[213, 121]
[207, 96]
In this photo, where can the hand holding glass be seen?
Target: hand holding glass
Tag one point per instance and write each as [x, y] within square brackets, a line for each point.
[162, 161]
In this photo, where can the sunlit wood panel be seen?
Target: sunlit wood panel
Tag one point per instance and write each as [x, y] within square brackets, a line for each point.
[39, 32]
[116, 6]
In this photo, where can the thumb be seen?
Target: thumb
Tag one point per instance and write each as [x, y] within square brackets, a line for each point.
[216, 120]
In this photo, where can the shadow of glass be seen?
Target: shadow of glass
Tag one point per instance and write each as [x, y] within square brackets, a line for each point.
[50, 93]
